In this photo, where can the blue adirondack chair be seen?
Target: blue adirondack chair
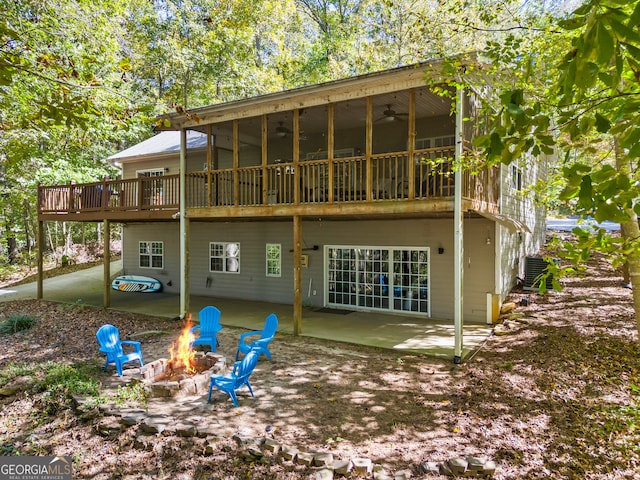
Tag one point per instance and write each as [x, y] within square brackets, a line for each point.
[209, 327]
[261, 345]
[110, 344]
[239, 376]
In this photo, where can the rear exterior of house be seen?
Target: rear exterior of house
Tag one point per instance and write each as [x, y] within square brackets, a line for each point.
[340, 195]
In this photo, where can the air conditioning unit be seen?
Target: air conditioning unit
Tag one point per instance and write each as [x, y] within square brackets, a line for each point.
[533, 268]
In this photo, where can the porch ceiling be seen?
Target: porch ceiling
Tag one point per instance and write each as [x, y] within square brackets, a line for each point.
[384, 87]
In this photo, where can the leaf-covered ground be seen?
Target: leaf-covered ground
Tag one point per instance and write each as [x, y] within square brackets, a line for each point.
[557, 397]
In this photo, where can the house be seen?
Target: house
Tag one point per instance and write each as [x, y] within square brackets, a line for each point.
[340, 195]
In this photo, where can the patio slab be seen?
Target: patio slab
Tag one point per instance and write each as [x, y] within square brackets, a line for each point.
[391, 331]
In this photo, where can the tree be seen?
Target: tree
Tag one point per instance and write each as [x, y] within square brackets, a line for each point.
[65, 100]
[588, 110]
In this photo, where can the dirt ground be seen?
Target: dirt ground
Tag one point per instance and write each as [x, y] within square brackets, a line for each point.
[557, 397]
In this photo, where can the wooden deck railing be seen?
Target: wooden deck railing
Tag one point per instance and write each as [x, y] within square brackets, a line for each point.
[389, 176]
[138, 194]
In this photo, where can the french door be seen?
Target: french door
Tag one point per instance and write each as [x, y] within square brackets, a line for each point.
[378, 278]
[152, 186]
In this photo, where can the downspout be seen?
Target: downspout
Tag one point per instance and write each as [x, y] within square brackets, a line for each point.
[458, 244]
[184, 281]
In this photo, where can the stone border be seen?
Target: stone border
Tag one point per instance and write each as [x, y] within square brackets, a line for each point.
[148, 426]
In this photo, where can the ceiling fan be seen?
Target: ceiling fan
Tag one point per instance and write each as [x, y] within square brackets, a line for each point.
[282, 131]
[390, 115]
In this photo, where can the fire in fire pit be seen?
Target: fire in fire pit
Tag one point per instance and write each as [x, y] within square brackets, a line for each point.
[182, 354]
[186, 372]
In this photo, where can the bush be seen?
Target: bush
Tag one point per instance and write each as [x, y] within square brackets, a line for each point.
[17, 323]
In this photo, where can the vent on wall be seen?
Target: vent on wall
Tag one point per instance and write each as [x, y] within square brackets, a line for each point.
[533, 268]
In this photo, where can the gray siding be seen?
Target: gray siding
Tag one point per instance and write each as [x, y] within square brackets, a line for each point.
[165, 232]
[196, 160]
[514, 247]
[253, 284]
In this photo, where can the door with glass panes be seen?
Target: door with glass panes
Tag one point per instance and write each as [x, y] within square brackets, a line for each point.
[378, 278]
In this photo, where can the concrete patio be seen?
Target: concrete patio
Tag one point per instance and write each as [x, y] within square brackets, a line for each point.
[403, 333]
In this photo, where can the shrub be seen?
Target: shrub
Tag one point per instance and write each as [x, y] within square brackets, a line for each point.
[17, 323]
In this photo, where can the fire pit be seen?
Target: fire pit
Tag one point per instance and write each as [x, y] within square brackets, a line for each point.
[186, 372]
[162, 380]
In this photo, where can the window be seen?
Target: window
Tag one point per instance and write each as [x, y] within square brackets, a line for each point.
[436, 142]
[151, 254]
[224, 257]
[339, 153]
[274, 259]
[516, 177]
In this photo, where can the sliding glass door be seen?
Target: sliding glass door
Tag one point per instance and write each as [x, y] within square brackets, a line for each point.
[378, 278]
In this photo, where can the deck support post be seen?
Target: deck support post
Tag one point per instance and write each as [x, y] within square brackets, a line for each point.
[458, 234]
[184, 229]
[106, 242]
[297, 275]
[40, 241]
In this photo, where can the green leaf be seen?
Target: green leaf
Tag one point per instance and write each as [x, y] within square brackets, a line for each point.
[630, 137]
[585, 196]
[512, 97]
[604, 45]
[607, 172]
[572, 23]
[634, 18]
[514, 109]
[602, 124]
[569, 192]
[583, 9]
[496, 145]
[622, 32]
[606, 211]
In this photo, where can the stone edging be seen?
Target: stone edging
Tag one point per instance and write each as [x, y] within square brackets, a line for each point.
[115, 420]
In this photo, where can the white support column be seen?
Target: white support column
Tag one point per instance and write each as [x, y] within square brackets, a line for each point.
[184, 231]
[458, 237]
[106, 242]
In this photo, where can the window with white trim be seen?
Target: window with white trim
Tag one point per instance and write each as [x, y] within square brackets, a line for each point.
[151, 254]
[224, 257]
[274, 260]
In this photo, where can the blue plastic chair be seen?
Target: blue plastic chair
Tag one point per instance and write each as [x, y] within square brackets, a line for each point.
[261, 345]
[110, 344]
[239, 376]
[209, 327]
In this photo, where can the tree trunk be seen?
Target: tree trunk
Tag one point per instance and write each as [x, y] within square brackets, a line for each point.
[630, 232]
[27, 230]
[12, 242]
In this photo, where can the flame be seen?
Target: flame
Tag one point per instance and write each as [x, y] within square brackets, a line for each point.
[181, 353]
